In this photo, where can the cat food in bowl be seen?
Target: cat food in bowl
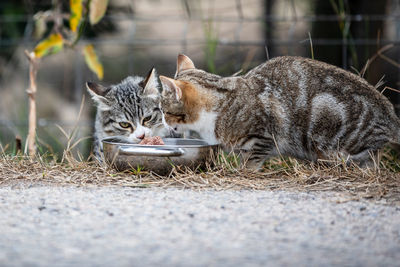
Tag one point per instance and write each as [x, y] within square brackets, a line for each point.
[155, 140]
[161, 159]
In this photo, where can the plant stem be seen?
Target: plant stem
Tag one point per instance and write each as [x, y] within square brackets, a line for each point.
[33, 64]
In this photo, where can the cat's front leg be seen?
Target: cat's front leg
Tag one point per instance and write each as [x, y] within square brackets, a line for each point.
[258, 149]
[255, 163]
[366, 158]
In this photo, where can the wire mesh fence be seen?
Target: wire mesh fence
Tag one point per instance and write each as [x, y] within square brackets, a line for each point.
[220, 36]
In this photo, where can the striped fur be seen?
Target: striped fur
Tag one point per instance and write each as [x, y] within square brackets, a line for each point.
[290, 106]
[135, 102]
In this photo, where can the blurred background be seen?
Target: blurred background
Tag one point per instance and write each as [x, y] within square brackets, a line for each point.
[222, 37]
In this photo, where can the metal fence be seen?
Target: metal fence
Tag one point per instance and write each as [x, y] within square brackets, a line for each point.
[221, 36]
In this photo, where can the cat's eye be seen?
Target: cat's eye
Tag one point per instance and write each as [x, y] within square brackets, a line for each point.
[146, 119]
[174, 114]
[125, 124]
[180, 117]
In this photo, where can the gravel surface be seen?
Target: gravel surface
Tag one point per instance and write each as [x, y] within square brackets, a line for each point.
[49, 225]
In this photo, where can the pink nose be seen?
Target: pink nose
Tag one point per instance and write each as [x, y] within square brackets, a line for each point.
[140, 136]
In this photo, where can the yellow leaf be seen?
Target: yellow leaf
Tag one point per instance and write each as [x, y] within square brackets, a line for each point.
[50, 45]
[92, 60]
[76, 14]
[97, 9]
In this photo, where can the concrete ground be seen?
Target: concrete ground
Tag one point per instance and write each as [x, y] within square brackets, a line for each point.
[50, 225]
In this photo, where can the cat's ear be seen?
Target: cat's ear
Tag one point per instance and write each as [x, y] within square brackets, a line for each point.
[96, 89]
[150, 84]
[98, 93]
[169, 85]
[183, 63]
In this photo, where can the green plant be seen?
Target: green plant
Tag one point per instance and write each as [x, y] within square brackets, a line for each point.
[138, 170]
[311, 46]
[341, 10]
[211, 46]
[231, 161]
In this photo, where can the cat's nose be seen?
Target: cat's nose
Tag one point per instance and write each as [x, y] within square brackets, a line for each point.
[140, 136]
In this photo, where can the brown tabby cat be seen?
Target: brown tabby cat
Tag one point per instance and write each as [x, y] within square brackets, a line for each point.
[290, 106]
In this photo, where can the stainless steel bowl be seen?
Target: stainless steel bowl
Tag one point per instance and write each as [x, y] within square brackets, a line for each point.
[161, 159]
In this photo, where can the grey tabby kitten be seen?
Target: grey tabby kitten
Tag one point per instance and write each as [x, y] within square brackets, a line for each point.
[290, 106]
[131, 108]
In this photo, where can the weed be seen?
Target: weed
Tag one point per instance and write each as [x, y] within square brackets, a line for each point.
[211, 46]
[341, 10]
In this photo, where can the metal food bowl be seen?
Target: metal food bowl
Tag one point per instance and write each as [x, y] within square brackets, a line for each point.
[161, 159]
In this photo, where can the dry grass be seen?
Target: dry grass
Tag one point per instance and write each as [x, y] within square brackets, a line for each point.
[381, 182]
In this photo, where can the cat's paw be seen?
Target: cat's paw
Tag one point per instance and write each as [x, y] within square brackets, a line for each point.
[254, 164]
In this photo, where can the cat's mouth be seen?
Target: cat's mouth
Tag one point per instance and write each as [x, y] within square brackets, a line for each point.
[174, 134]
